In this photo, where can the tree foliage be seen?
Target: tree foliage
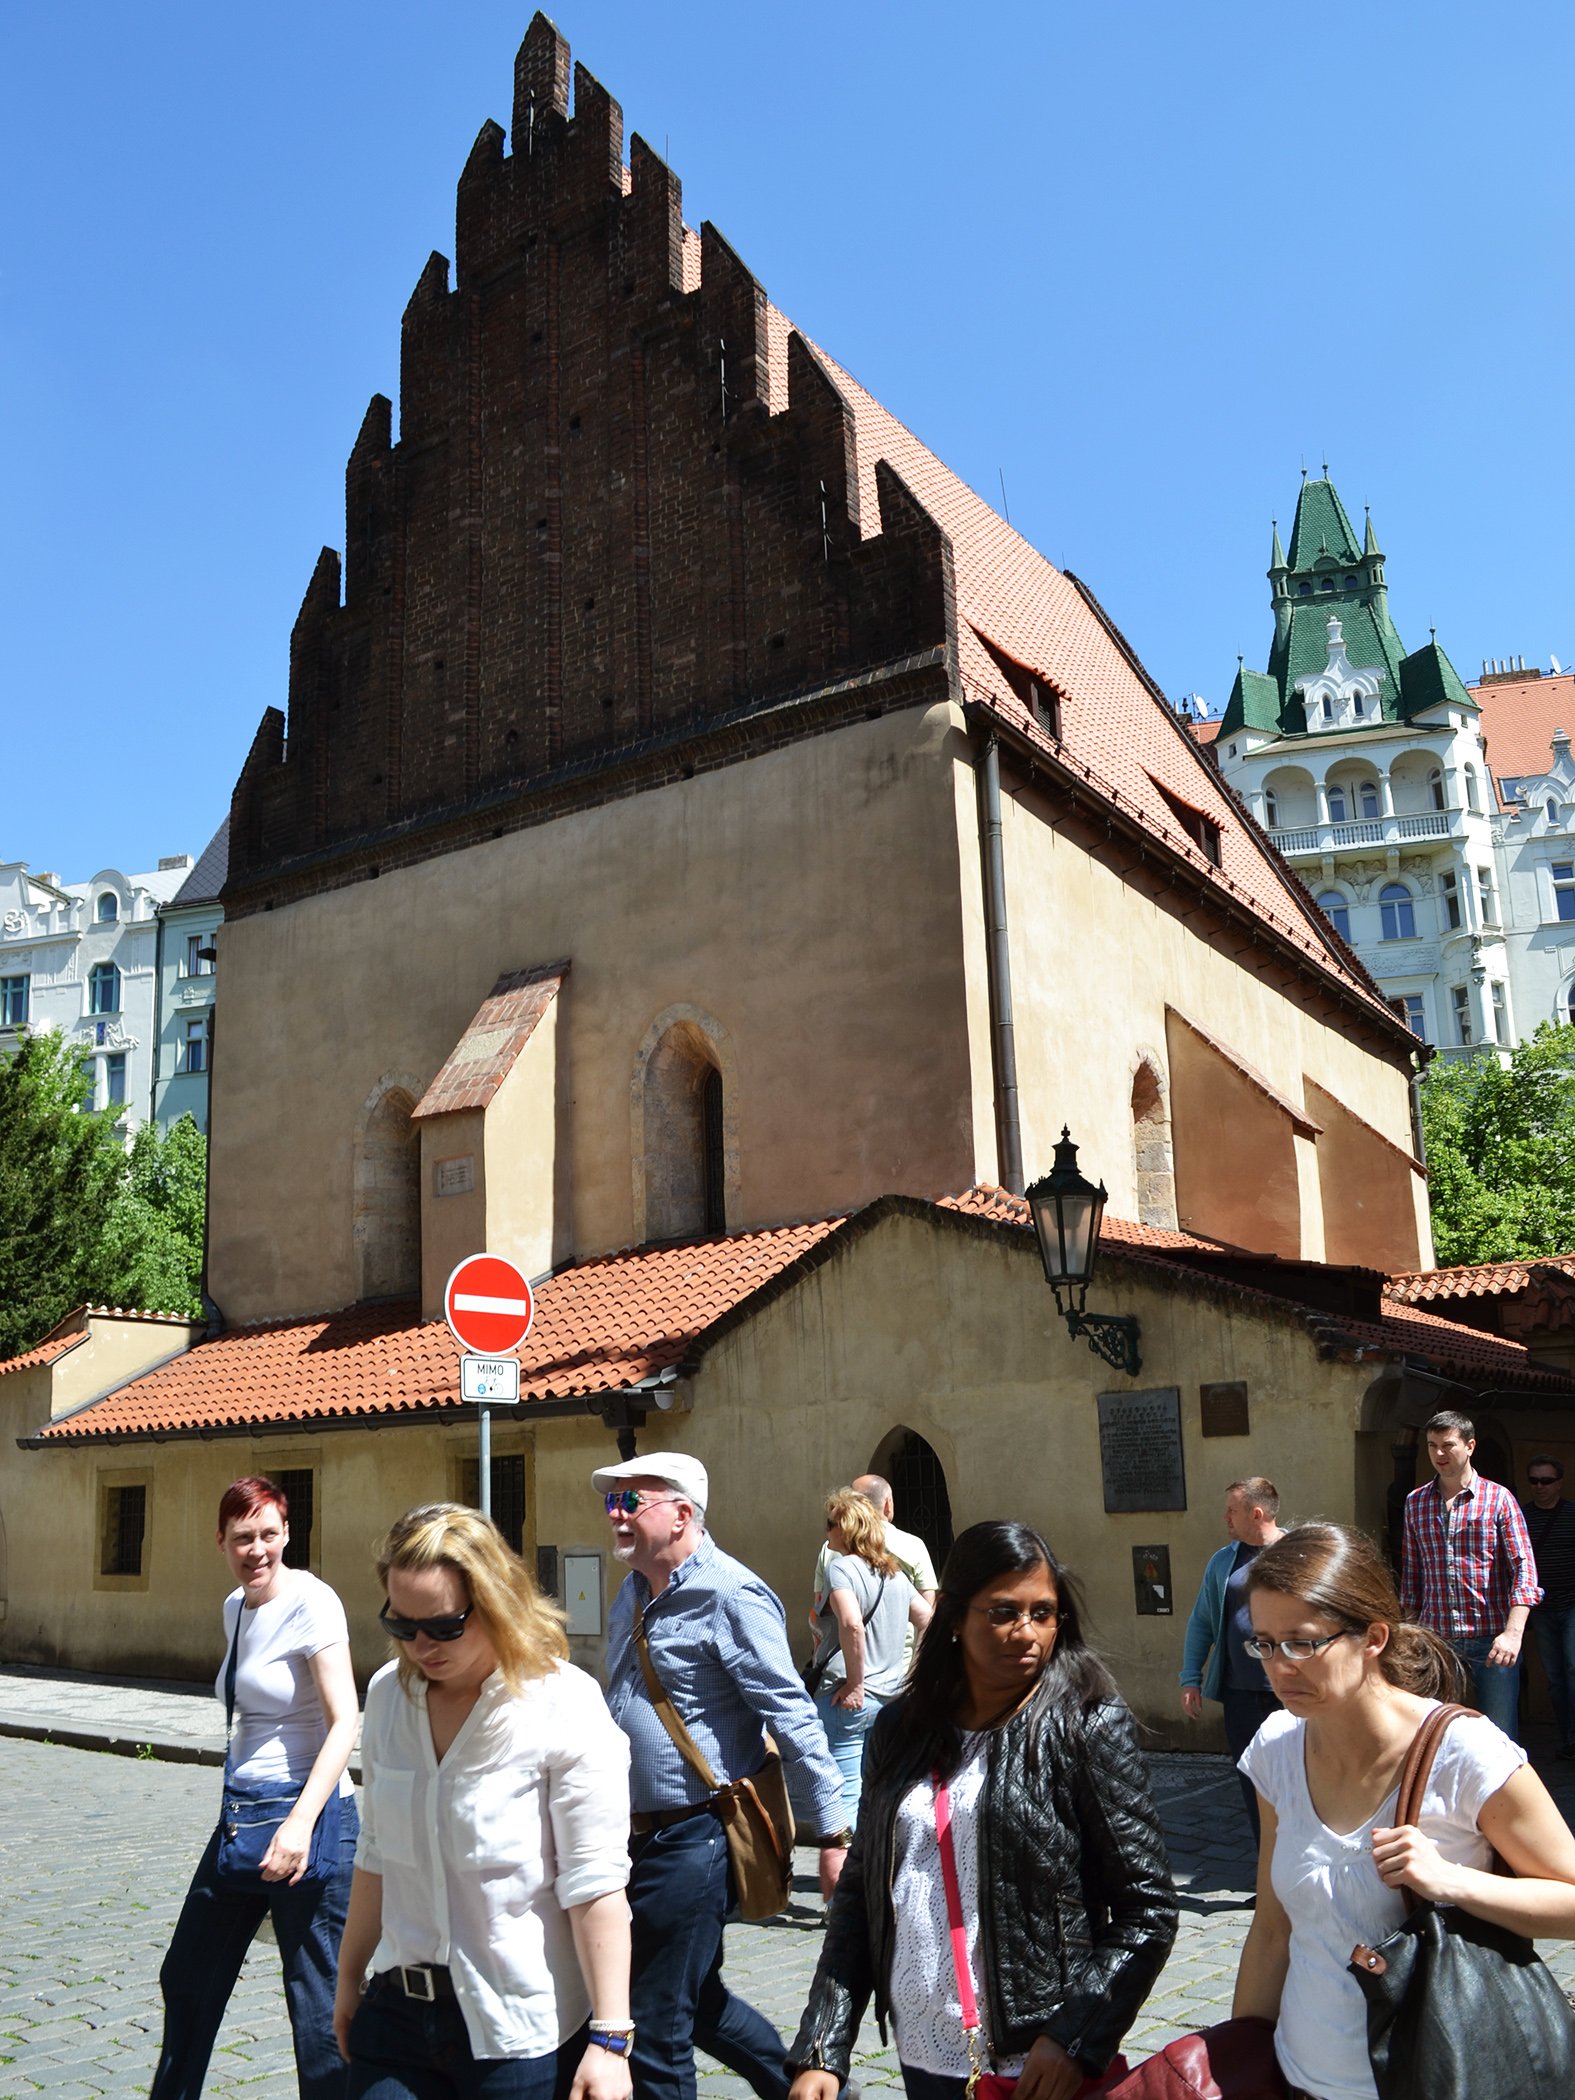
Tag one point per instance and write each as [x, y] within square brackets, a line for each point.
[84, 1219]
[1501, 1151]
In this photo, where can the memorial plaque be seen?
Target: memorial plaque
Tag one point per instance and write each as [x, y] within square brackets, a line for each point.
[1151, 1582]
[1224, 1408]
[1140, 1450]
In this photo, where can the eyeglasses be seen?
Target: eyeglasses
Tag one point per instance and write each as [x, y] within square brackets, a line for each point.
[448, 1628]
[1544, 1480]
[1297, 1651]
[627, 1501]
[1004, 1615]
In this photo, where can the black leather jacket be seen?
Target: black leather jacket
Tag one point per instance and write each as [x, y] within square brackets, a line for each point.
[1078, 1910]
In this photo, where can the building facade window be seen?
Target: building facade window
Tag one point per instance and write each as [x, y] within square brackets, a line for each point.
[1563, 872]
[115, 1079]
[1485, 896]
[299, 1484]
[104, 989]
[1449, 892]
[199, 955]
[1414, 1013]
[123, 1536]
[1435, 787]
[1369, 790]
[1397, 910]
[13, 1001]
[1271, 810]
[1473, 801]
[1500, 1015]
[1336, 802]
[108, 908]
[1336, 911]
[1460, 999]
[508, 1493]
[194, 1051]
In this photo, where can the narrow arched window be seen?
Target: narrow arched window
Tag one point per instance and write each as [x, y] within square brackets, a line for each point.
[714, 1150]
[1369, 798]
[1336, 805]
[108, 908]
[1435, 787]
[1271, 809]
[1471, 788]
[1336, 910]
[1397, 909]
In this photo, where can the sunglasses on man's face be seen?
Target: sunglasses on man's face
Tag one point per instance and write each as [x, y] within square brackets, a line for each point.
[448, 1628]
[1543, 1480]
[627, 1502]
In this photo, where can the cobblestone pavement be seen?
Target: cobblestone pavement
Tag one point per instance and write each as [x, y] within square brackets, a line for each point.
[95, 1852]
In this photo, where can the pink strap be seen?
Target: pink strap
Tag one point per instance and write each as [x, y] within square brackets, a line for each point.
[959, 1935]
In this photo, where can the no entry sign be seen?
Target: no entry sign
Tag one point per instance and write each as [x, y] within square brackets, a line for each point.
[488, 1305]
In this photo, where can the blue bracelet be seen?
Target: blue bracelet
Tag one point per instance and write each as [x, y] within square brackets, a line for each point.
[617, 2041]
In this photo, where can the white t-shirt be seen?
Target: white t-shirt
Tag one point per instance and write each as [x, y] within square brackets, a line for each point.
[1331, 1892]
[279, 1721]
[926, 2008]
[483, 1855]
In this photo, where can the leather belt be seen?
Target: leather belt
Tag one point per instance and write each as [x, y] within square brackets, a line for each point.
[644, 1821]
[422, 1981]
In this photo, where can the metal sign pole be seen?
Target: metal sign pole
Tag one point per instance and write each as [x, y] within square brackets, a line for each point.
[486, 1461]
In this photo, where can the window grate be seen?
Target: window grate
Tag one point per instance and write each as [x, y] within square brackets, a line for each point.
[299, 1485]
[125, 1530]
[508, 1493]
[918, 1492]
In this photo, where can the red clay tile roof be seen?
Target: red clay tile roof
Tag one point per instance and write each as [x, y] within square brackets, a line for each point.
[1488, 1279]
[45, 1353]
[484, 1056]
[986, 1200]
[1115, 732]
[1204, 732]
[600, 1327]
[1519, 717]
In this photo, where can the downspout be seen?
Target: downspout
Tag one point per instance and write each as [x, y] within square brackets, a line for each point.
[1003, 1042]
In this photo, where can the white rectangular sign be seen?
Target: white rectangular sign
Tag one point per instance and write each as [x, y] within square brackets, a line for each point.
[495, 1379]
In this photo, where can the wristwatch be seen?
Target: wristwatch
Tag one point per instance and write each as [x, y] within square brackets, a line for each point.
[839, 1841]
[617, 2041]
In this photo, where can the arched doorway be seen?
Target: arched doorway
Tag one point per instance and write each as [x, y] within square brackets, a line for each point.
[918, 1489]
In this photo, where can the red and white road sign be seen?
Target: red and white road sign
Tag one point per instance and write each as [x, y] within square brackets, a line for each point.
[488, 1304]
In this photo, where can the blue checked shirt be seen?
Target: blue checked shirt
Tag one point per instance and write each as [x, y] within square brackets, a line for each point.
[718, 1639]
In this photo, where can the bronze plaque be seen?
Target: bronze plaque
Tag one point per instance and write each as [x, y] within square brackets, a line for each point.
[1140, 1449]
[1225, 1408]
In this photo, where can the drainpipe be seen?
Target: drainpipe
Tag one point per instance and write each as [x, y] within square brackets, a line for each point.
[1003, 1043]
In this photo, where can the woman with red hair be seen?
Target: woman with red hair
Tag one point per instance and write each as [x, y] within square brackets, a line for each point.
[284, 1846]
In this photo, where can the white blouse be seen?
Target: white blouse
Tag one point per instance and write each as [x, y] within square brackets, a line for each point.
[1332, 1894]
[926, 2009]
[483, 1855]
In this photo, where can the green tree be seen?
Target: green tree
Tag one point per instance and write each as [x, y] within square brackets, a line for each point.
[1501, 1151]
[152, 1241]
[61, 1169]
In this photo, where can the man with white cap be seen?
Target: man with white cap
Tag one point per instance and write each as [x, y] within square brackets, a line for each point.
[718, 1643]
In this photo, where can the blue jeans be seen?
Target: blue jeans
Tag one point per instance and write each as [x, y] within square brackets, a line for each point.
[1555, 1632]
[680, 1892]
[1245, 1714]
[1495, 1689]
[847, 1734]
[404, 2049]
[215, 1927]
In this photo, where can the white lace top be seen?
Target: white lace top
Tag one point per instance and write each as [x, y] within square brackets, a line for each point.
[925, 2008]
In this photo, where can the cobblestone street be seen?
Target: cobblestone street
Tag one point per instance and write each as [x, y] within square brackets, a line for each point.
[97, 1850]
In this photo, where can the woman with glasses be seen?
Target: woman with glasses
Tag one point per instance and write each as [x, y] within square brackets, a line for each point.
[488, 1898]
[861, 1623]
[290, 1712]
[1005, 1798]
[1355, 1684]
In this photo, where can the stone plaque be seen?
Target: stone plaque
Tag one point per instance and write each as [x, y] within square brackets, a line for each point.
[1224, 1408]
[455, 1177]
[1151, 1582]
[1140, 1450]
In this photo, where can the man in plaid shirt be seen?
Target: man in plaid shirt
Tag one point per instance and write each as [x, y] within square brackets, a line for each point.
[1467, 1569]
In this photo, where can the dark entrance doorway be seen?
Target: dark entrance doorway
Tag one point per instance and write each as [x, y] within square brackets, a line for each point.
[918, 1489]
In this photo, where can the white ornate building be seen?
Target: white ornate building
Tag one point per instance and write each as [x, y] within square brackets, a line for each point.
[1373, 770]
[83, 957]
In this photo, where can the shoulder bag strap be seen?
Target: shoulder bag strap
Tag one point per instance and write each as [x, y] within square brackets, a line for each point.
[1416, 1772]
[966, 2000]
[229, 1682]
[668, 1714]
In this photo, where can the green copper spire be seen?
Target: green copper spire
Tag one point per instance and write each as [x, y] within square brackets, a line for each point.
[1277, 558]
[1321, 527]
[1370, 539]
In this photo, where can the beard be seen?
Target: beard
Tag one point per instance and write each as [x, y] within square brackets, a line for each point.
[623, 1549]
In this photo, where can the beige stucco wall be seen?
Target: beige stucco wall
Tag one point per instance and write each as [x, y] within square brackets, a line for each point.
[808, 899]
[1095, 964]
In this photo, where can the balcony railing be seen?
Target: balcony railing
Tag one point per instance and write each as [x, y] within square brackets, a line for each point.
[1369, 831]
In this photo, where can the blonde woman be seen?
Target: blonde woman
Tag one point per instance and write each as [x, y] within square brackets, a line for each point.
[861, 1626]
[489, 1886]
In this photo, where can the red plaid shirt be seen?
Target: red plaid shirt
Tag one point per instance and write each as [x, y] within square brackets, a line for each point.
[1463, 1568]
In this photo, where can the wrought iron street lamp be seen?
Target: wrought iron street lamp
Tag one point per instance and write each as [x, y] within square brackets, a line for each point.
[1067, 1209]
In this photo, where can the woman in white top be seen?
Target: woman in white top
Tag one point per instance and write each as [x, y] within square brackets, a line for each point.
[489, 1884]
[1356, 1684]
[287, 1681]
[861, 1621]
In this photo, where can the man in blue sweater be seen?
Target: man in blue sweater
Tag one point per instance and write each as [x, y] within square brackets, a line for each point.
[1214, 1663]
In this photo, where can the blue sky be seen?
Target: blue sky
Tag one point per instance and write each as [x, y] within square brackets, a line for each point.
[1143, 260]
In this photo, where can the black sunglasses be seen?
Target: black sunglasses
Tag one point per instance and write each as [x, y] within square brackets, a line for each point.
[1544, 1480]
[448, 1628]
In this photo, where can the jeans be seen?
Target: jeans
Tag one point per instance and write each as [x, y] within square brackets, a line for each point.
[404, 2049]
[215, 1927]
[1555, 1633]
[1245, 1714]
[1495, 1688]
[679, 1894]
[847, 1734]
[931, 2085]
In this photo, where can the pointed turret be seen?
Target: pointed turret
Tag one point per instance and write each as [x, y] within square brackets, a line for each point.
[1277, 558]
[1280, 589]
[1369, 538]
